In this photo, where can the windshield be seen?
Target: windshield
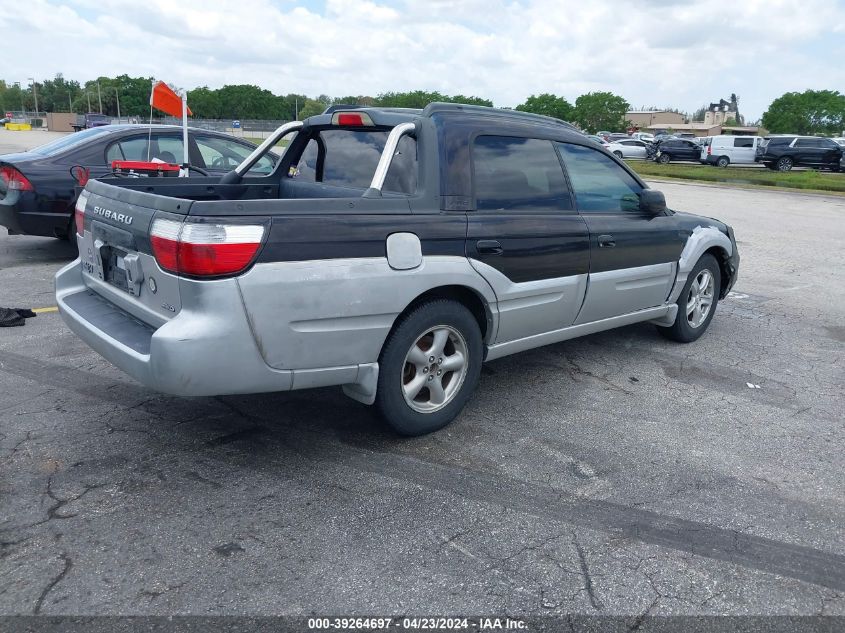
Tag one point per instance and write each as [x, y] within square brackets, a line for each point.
[71, 140]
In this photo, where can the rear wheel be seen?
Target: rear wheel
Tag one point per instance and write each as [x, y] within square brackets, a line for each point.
[697, 302]
[429, 367]
[723, 161]
[663, 159]
[784, 164]
[618, 154]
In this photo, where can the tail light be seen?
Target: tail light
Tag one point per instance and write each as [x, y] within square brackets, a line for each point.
[352, 119]
[709, 150]
[14, 180]
[205, 250]
[79, 212]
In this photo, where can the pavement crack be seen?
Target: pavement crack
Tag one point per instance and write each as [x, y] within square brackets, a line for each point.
[585, 571]
[67, 565]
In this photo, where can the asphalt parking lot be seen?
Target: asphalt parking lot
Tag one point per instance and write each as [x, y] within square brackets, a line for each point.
[618, 474]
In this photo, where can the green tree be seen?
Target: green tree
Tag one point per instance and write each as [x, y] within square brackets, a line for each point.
[596, 111]
[421, 98]
[312, 107]
[808, 112]
[548, 105]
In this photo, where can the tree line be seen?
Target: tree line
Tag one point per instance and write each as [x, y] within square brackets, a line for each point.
[808, 112]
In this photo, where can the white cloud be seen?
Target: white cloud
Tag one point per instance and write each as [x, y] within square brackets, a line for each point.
[654, 52]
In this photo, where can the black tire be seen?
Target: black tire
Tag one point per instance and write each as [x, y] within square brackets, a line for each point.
[682, 330]
[618, 154]
[723, 161]
[664, 159]
[394, 372]
[785, 163]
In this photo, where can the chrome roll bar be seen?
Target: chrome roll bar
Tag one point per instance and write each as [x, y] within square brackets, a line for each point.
[390, 146]
[269, 142]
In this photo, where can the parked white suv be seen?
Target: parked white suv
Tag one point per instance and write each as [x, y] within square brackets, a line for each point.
[724, 150]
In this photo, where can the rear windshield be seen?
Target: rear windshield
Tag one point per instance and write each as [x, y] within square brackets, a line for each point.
[71, 140]
[348, 158]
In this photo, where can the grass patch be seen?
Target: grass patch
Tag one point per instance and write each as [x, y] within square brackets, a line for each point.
[258, 141]
[804, 180]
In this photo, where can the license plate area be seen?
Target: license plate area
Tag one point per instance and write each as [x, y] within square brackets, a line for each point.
[114, 266]
[117, 259]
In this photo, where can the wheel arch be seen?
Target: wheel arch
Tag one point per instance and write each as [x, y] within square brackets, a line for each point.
[704, 239]
[723, 258]
[468, 297]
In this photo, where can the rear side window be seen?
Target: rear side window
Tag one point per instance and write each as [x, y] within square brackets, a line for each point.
[518, 174]
[128, 149]
[348, 158]
[222, 153]
[599, 183]
[744, 141]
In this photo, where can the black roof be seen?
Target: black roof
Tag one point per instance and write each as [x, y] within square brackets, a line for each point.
[458, 108]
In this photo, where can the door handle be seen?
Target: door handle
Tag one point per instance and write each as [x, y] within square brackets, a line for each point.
[489, 247]
[606, 241]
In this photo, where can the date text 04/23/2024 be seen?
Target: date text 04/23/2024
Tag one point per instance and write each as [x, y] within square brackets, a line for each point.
[416, 623]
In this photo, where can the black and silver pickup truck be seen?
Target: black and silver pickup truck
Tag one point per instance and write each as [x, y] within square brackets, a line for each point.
[390, 252]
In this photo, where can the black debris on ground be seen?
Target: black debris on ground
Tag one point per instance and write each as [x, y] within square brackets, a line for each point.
[13, 317]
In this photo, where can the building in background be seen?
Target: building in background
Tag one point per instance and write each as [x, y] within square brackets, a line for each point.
[643, 119]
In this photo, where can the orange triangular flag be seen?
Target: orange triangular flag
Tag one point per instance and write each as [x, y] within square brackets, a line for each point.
[163, 98]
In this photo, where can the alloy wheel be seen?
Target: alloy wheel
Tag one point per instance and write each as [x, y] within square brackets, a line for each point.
[700, 298]
[434, 369]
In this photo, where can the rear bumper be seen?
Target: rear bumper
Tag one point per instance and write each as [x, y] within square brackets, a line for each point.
[207, 352]
[20, 214]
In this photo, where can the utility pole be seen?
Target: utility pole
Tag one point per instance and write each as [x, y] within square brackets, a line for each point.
[117, 94]
[99, 96]
[34, 94]
[88, 94]
[296, 108]
[69, 103]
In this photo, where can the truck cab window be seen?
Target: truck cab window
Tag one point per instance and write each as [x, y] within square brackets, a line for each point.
[518, 173]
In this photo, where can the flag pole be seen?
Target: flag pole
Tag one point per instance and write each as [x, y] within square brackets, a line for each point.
[185, 160]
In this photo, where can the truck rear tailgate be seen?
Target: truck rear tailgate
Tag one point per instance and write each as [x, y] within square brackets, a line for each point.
[116, 254]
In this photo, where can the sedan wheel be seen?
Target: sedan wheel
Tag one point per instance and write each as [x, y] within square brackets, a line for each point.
[663, 159]
[618, 154]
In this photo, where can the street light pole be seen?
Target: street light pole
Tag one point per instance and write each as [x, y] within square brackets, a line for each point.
[34, 94]
[117, 94]
[99, 96]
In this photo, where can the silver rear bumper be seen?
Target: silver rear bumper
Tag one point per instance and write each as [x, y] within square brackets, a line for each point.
[207, 349]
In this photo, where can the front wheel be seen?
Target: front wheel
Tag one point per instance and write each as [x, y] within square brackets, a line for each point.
[618, 154]
[664, 159]
[784, 164]
[429, 367]
[697, 302]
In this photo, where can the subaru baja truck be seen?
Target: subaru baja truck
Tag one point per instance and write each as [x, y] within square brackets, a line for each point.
[391, 252]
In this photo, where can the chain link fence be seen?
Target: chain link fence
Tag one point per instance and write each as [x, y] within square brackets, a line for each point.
[248, 128]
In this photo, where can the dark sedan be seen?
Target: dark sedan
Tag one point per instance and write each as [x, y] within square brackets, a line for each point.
[38, 192]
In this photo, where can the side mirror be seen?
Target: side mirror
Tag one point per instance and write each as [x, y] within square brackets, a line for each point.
[652, 202]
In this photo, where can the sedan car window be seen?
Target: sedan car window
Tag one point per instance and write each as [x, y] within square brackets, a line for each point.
[134, 148]
[599, 183]
[170, 149]
[221, 153]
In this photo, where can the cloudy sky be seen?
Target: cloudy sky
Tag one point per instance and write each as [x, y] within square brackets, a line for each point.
[679, 53]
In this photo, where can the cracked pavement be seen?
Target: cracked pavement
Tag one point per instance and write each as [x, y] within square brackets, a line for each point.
[619, 474]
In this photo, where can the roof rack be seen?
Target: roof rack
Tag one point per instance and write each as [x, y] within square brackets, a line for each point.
[431, 108]
[343, 107]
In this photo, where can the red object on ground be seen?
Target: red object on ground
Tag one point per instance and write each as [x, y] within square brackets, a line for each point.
[163, 98]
